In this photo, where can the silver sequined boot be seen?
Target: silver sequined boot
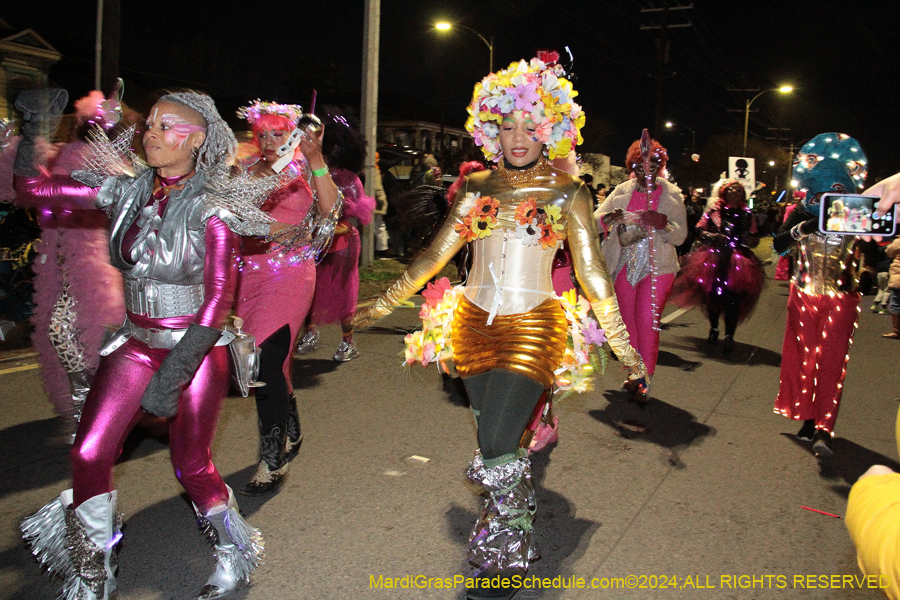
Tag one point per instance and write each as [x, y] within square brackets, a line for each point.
[239, 548]
[77, 545]
[81, 385]
[502, 543]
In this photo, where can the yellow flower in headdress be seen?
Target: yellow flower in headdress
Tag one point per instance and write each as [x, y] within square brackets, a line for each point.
[562, 148]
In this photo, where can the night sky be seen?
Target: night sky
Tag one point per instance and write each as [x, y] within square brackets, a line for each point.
[840, 56]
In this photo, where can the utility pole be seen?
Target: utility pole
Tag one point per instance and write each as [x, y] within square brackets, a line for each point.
[98, 45]
[662, 52]
[109, 63]
[370, 114]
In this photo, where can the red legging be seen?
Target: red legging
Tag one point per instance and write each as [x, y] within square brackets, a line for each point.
[113, 408]
[635, 306]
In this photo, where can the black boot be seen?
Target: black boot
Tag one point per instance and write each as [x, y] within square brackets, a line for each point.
[808, 431]
[294, 434]
[822, 444]
[273, 464]
[713, 336]
[728, 346]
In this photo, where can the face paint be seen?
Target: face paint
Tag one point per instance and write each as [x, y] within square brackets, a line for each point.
[176, 130]
[171, 138]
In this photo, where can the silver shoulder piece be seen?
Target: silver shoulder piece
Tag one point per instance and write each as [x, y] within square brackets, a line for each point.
[236, 200]
[109, 158]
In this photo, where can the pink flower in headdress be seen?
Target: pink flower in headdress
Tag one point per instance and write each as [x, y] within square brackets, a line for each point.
[525, 95]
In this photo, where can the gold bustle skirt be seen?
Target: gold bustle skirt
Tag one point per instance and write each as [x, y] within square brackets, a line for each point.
[531, 343]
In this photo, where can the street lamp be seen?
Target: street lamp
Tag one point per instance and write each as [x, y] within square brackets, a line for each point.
[694, 156]
[445, 26]
[670, 125]
[785, 89]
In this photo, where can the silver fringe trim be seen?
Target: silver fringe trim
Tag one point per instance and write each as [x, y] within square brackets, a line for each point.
[64, 336]
[503, 536]
[312, 237]
[109, 158]
[45, 532]
[244, 549]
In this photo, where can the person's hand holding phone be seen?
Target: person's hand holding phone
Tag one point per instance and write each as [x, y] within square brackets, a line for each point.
[889, 192]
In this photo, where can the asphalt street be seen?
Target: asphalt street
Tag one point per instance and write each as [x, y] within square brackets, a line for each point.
[698, 496]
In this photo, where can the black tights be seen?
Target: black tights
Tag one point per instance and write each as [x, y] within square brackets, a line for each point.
[731, 304]
[503, 402]
[272, 400]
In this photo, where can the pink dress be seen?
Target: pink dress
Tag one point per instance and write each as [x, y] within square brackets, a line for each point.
[276, 289]
[337, 275]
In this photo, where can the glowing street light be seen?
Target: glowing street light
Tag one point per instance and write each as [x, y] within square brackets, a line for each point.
[445, 26]
[785, 89]
[670, 125]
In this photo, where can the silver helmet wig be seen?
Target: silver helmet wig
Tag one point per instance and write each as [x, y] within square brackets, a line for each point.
[219, 147]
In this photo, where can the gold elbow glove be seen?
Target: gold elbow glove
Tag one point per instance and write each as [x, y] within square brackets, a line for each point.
[607, 313]
[402, 289]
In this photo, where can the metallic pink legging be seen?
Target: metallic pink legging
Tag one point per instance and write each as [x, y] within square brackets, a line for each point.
[113, 408]
[637, 313]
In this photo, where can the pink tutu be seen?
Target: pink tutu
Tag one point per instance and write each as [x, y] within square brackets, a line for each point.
[704, 280]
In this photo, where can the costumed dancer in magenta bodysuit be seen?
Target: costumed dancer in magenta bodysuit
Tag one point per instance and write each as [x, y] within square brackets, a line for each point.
[277, 285]
[644, 219]
[723, 275]
[337, 275]
[178, 257]
[824, 298]
[78, 293]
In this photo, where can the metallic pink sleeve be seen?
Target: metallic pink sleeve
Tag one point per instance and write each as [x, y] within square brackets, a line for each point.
[219, 274]
[55, 191]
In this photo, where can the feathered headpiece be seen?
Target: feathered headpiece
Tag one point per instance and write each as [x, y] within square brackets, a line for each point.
[538, 89]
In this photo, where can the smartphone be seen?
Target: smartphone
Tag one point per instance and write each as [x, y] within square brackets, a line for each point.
[854, 214]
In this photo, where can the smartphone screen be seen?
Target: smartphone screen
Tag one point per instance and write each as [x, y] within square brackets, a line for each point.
[853, 214]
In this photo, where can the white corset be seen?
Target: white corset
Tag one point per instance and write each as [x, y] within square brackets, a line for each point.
[507, 276]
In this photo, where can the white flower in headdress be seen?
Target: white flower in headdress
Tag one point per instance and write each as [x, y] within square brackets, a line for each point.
[507, 103]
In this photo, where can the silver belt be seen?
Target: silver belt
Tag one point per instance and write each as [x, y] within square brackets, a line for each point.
[153, 337]
[156, 300]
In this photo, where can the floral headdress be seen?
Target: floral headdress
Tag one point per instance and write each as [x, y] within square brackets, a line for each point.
[537, 88]
[257, 108]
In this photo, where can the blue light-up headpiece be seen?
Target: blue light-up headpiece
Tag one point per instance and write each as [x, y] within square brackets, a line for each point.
[830, 162]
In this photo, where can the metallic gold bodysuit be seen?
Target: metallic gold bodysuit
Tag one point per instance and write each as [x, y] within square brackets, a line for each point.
[511, 269]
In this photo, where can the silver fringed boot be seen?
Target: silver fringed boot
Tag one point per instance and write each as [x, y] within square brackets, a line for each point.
[239, 548]
[77, 545]
[502, 543]
[81, 385]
